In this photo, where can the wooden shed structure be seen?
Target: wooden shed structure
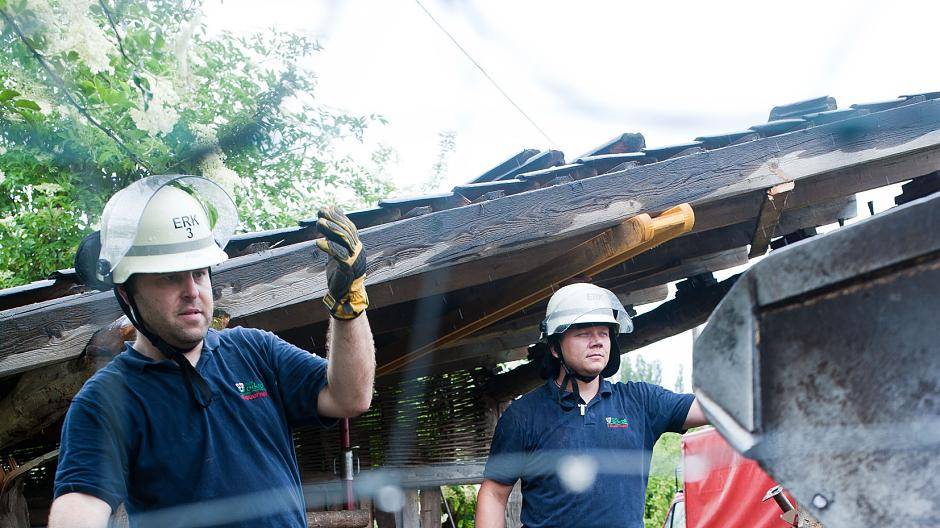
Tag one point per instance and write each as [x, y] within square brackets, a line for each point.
[458, 282]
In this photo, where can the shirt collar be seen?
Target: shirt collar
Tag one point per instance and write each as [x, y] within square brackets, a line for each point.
[605, 389]
[211, 341]
[138, 361]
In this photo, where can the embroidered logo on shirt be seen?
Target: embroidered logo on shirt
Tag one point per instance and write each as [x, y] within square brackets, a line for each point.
[250, 390]
[617, 423]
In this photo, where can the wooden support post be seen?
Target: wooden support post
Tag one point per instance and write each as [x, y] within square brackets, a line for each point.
[430, 507]
[514, 506]
[613, 246]
[14, 512]
[385, 519]
[770, 210]
[411, 510]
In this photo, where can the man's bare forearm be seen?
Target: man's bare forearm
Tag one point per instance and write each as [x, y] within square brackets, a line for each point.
[351, 372]
[78, 510]
[491, 504]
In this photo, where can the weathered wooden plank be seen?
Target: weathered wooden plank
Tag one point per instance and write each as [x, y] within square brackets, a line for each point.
[612, 247]
[842, 158]
[339, 519]
[728, 138]
[770, 211]
[507, 341]
[408, 477]
[781, 126]
[542, 160]
[801, 108]
[63, 284]
[510, 164]
[421, 294]
[430, 514]
[629, 142]
[673, 151]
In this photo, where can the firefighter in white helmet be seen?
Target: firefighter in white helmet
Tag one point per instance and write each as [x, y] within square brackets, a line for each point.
[580, 444]
[190, 426]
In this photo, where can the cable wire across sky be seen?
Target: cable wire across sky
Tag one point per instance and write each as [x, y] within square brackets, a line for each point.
[485, 74]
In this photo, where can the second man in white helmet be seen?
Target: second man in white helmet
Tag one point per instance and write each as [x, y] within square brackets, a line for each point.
[580, 444]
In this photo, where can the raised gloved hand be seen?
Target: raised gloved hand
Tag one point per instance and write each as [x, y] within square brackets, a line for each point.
[346, 269]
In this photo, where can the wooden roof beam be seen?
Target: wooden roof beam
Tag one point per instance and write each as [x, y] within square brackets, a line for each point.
[610, 248]
[827, 161]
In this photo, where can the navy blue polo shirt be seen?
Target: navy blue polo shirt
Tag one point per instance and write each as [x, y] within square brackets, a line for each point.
[588, 470]
[134, 435]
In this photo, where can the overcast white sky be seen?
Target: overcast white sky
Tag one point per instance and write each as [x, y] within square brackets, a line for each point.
[587, 71]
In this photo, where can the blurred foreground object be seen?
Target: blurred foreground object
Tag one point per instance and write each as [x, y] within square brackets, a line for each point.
[821, 363]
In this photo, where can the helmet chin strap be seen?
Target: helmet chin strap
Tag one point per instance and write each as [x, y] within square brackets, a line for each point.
[195, 383]
[572, 399]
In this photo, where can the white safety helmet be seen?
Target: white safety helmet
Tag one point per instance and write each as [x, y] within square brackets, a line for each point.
[164, 224]
[584, 303]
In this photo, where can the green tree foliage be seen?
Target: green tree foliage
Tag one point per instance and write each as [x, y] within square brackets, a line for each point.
[95, 95]
[666, 453]
[462, 501]
[635, 368]
[680, 379]
[662, 481]
[447, 143]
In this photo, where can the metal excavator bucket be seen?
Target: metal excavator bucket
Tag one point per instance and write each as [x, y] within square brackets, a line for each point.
[823, 364]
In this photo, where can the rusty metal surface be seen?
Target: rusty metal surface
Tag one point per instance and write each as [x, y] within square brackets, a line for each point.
[831, 380]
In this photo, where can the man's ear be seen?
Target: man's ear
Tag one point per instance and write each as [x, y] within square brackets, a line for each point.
[122, 292]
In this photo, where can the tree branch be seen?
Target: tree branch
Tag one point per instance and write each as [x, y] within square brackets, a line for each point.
[61, 84]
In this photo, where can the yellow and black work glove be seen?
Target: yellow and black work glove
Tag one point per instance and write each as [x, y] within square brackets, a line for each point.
[346, 267]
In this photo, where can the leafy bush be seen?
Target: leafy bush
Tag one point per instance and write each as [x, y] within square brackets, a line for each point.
[463, 504]
[662, 480]
[95, 95]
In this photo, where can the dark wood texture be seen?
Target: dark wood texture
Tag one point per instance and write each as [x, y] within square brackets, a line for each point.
[14, 512]
[542, 160]
[410, 477]
[510, 164]
[801, 108]
[339, 519]
[629, 142]
[770, 210]
[835, 160]
[608, 249]
[430, 502]
[782, 126]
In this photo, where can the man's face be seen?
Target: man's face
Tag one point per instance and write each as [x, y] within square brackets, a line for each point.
[586, 349]
[176, 306]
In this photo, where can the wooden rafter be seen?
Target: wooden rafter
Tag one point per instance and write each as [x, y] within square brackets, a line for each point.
[282, 286]
[770, 210]
[612, 247]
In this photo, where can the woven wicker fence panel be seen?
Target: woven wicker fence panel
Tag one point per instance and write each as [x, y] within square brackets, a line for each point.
[428, 420]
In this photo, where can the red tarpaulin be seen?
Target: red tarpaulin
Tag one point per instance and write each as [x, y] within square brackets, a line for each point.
[724, 489]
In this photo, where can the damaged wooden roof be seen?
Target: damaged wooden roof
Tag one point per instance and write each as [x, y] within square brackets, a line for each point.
[438, 261]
